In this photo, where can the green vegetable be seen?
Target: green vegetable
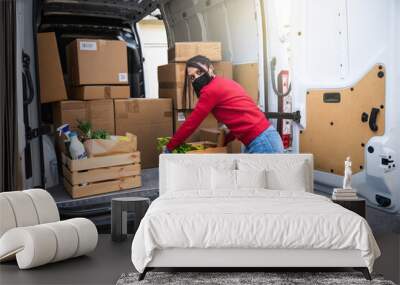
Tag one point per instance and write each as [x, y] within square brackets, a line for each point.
[100, 135]
[161, 142]
[86, 128]
[183, 148]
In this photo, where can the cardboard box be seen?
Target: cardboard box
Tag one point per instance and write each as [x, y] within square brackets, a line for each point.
[235, 146]
[100, 92]
[215, 135]
[101, 115]
[97, 62]
[182, 51]
[247, 76]
[171, 81]
[99, 112]
[180, 117]
[148, 119]
[69, 112]
[224, 69]
[51, 78]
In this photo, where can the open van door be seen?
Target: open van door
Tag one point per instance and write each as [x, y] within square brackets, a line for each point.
[68, 19]
[344, 71]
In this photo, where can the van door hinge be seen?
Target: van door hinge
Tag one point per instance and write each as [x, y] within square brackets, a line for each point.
[30, 133]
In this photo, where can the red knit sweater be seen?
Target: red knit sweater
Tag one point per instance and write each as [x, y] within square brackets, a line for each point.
[230, 105]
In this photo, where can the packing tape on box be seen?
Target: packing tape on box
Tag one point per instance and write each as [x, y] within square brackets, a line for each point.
[107, 92]
[168, 114]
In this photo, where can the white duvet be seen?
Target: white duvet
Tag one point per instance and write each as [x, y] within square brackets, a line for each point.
[250, 219]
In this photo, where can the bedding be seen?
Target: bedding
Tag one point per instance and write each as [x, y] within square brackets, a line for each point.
[250, 218]
[251, 179]
[222, 179]
[184, 176]
[292, 178]
[280, 175]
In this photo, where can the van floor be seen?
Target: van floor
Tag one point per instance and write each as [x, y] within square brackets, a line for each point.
[149, 188]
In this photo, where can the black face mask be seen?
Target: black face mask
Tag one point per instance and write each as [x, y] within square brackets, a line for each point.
[200, 82]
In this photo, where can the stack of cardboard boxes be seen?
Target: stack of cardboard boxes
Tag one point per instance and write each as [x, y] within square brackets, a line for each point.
[98, 73]
[172, 78]
[98, 92]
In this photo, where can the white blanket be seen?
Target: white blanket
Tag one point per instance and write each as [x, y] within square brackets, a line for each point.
[250, 219]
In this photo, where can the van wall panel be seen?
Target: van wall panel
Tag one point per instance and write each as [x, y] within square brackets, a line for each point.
[232, 22]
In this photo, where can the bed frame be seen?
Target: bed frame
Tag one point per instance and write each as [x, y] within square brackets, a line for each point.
[244, 258]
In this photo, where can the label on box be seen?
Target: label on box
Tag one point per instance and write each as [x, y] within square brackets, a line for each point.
[88, 46]
[181, 117]
[122, 77]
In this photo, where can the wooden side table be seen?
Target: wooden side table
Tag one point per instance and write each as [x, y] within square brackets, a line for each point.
[356, 205]
[119, 215]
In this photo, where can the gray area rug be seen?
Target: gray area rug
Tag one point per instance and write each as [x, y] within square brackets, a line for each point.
[233, 278]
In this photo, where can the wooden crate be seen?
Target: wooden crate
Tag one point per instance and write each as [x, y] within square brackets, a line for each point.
[100, 175]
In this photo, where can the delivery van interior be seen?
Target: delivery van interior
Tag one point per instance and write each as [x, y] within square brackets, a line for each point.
[94, 91]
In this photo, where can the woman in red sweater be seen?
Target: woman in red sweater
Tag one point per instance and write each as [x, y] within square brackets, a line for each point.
[230, 105]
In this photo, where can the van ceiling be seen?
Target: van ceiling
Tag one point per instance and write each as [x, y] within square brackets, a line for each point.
[94, 13]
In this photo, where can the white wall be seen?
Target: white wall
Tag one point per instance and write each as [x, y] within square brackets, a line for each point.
[231, 22]
[154, 45]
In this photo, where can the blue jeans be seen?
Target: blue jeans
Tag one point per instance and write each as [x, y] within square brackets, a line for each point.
[269, 141]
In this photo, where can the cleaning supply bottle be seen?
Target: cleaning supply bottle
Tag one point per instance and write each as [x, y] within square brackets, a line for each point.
[64, 129]
[76, 148]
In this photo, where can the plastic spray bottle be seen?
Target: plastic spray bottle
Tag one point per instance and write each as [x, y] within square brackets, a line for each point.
[75, 147]
[64, 129]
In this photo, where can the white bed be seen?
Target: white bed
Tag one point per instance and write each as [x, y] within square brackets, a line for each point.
[224, 216]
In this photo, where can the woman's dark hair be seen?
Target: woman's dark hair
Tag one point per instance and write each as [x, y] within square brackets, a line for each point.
[194, 62]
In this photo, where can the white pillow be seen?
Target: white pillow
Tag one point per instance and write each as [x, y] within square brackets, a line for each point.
[188, 177]
[251, 178]
[293, 178]
[224, 179]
